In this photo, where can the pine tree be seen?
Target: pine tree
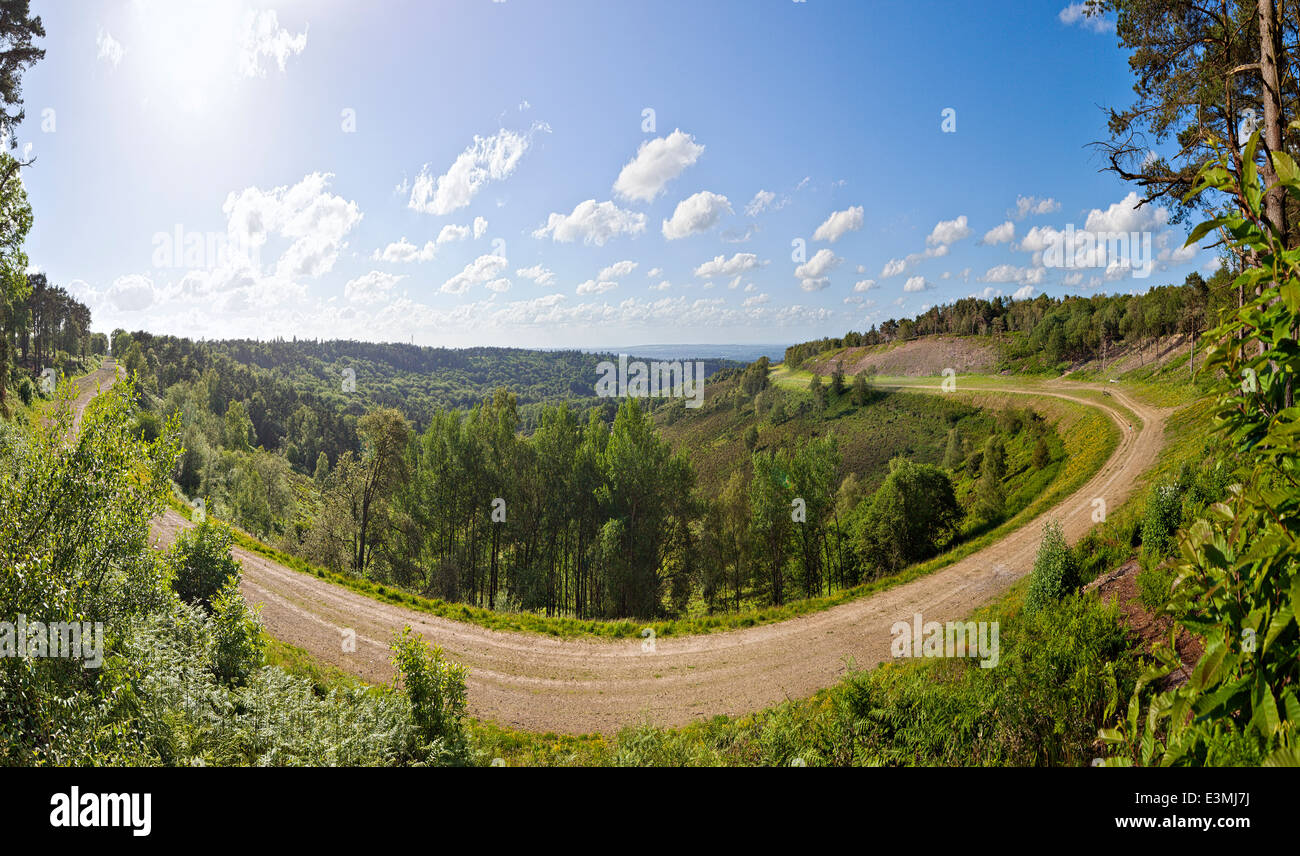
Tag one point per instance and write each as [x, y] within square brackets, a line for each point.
[837, 379]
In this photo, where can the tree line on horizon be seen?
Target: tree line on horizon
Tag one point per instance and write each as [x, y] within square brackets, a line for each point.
[1068, 329]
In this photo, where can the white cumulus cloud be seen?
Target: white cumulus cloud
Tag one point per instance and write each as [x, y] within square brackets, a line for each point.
[110, 49]
[592, 223]
[1027, 205]
[486, 159]
[1003, 234]
[404, 251]
[617, 271]
[314, 220]
[948, 232]
[372, 287]
[263, 37]
[656, 163]
[483, 269]
[1077, 13]
[723, 266]
[839, 224]
[696, 214]
[538, 274]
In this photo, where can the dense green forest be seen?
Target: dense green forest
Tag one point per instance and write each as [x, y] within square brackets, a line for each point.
[43, 327]
[182, 682]
[305, 397]
[577, 515]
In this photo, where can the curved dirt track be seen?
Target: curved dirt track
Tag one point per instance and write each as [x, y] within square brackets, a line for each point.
[89, 386]
[539, 683]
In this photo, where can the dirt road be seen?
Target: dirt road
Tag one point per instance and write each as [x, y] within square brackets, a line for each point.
[90, 386]
[580, 686]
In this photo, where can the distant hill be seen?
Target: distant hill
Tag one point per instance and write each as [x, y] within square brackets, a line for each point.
[738, 353]
[341, 379]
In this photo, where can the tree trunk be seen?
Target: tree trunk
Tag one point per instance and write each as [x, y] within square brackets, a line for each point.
[1271, 95]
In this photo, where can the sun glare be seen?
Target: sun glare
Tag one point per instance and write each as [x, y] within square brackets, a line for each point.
[190, 53]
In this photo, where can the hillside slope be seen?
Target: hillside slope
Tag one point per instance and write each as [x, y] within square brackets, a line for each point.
[929, 355]
[579, 686]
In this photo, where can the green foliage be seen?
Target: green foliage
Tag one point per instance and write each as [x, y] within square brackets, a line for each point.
[179, 684]
[754, 379]
[1237, 583]
[1153, 585]
[1060, 671]
[1047, 334]
[293, 394]
[837, 379]
[1056, 570]
[861, 390]
[909, 516]
[1041, 455]
[73, 543]
[820, 397]
[239, 428]
[15, 289]
[435, 690]
[237, 635]
[201, 563]
[954, 451]
[990, 497]
[1164, 512]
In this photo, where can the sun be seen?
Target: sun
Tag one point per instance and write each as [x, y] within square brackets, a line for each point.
[188, 54]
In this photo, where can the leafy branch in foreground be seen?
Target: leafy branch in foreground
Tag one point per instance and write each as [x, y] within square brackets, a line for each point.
[1237, 584]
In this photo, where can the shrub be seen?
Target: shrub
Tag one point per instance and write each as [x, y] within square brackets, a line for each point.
[1056, 570]
[1163, 515]
[435, 690]
[1059, 671]
[237, 635]
[1041, 455]
[202, 563]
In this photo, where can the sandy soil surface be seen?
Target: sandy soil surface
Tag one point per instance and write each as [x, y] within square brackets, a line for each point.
[89, 386]
[581, 686]
[917, 358]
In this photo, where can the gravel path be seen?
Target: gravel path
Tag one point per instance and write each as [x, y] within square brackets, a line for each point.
[542, 684]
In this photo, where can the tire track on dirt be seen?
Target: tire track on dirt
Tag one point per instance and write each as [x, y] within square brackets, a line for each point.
[538, 683]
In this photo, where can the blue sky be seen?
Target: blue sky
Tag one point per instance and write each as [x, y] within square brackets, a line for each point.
[476, 172]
